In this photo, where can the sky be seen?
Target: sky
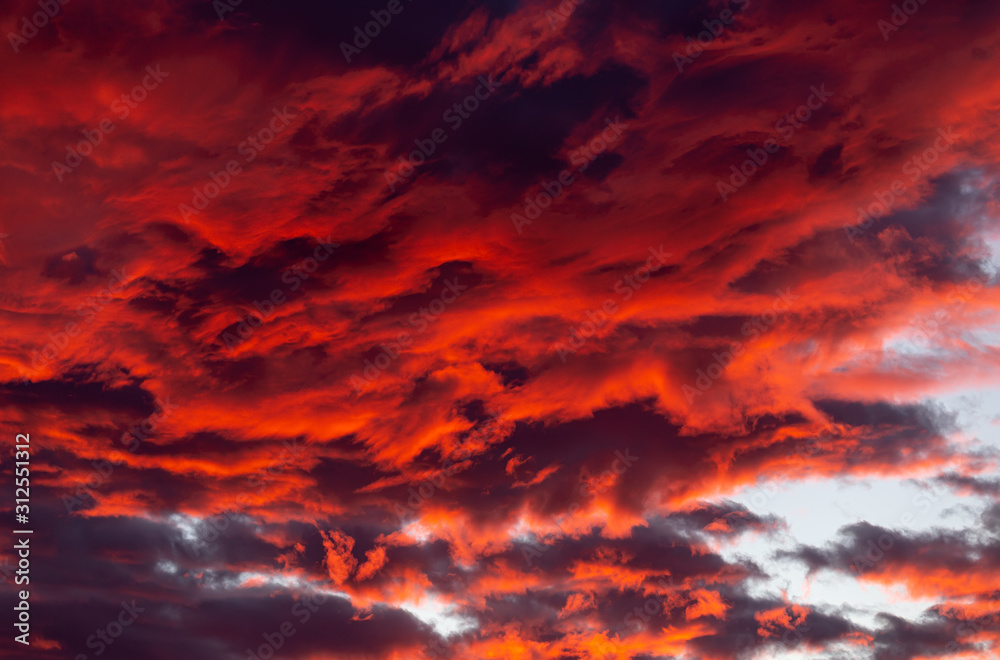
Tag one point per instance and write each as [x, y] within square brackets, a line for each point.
[511, 329]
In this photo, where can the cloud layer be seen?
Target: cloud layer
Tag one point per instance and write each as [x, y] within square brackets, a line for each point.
[459, 338]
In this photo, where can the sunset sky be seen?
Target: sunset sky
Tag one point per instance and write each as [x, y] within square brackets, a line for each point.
[391, 330]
